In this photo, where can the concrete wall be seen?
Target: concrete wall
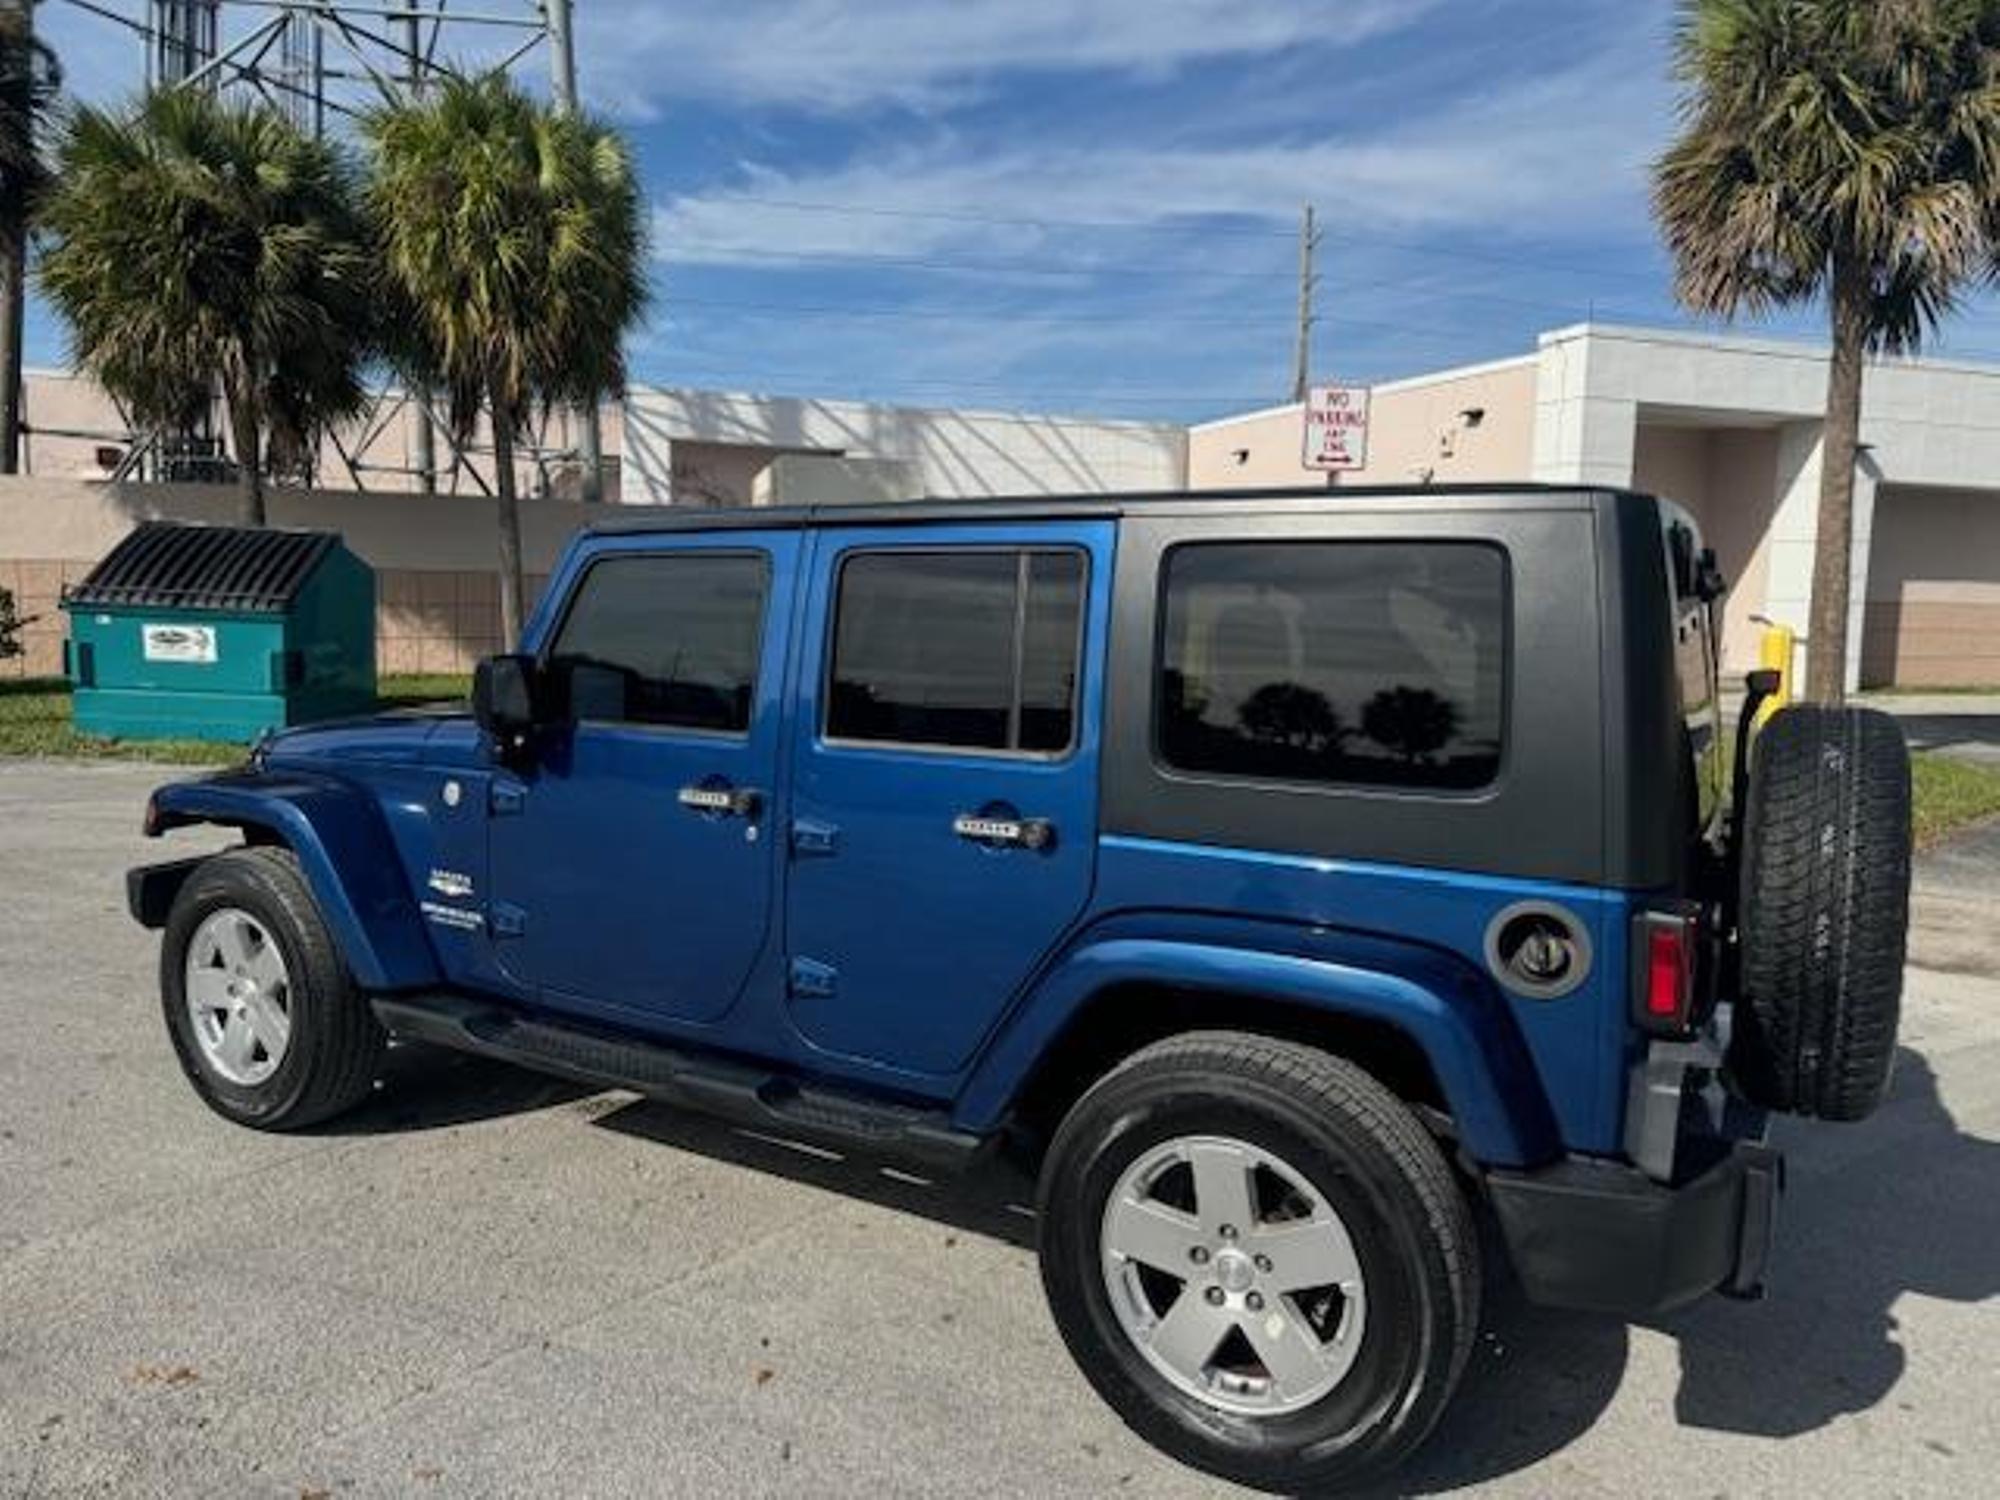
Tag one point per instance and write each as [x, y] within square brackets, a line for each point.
[1727, 478]
[1260, 450]
[1934, 590]
[817, 479]
[1463, 426]
[1927, 424]
[437, 600]
[670, 433]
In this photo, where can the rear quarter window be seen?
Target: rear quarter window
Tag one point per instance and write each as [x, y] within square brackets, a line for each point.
[1375, 664]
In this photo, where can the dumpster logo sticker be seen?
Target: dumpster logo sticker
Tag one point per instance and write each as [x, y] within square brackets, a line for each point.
[189, 643]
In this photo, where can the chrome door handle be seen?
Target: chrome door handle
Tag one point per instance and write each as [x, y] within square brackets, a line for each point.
[728, 801]
[1018, 833]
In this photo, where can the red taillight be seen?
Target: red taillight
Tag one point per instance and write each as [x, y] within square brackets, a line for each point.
[1665, 961]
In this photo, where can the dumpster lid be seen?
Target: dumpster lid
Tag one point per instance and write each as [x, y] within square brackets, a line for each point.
[164, 564]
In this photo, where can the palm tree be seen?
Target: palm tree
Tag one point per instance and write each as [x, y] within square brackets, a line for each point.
[1410, 722]
[1839, 149]
[513, 237]
[29, 80]
[196, 244]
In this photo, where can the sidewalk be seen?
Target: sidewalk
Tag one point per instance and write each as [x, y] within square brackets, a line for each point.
[1966, 725]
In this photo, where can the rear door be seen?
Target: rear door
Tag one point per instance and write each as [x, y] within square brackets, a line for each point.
[945, 779]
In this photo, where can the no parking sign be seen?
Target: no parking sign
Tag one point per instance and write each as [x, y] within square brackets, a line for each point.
[1336, 433]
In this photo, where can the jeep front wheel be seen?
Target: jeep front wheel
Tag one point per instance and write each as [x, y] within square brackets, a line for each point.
[1259, 1257]
[267, 1024]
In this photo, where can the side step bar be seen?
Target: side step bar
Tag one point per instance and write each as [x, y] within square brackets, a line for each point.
[736, 1091]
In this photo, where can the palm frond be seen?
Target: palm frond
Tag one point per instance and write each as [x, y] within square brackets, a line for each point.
[1858, 132]
[515, 240]
[193, 243]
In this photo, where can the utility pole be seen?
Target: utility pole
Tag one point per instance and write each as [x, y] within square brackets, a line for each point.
[562, 81]
[1308, 284]
[413, 74]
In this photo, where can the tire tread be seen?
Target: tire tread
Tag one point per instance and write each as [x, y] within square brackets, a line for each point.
[1825, 903]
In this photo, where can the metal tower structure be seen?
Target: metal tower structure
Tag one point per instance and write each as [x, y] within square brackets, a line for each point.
[325, 62]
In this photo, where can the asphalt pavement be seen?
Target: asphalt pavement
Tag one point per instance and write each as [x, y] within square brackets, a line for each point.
[493, 1284]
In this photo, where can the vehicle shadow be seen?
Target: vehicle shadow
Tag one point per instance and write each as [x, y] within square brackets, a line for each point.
[424, 1088]
[1906, 1203]
[993, 1198]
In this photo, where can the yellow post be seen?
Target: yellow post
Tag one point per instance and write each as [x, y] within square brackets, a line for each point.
[1776, 652]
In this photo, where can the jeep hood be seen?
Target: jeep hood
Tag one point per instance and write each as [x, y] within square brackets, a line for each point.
[397, 738]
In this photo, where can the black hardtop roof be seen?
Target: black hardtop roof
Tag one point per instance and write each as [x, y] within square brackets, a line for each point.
[173, 565]
[667, 518]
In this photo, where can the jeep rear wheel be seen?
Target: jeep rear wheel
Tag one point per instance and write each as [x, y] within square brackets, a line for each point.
[267, 1024]
[1260, 1259]
[1825, 913]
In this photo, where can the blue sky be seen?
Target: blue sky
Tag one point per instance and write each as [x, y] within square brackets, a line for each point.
[1092, 205]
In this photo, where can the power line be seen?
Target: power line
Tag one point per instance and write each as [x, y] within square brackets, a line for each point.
[1400, 326]
[959, 267]
[1350, 237]
[1422, 287]
[955, 216]
[722, 361]
[946, 314]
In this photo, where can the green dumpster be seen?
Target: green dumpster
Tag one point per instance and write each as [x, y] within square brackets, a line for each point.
[219, 633]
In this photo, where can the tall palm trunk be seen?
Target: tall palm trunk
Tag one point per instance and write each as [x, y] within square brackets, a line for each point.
[13, 309]
[510, 523]
[1826, 634]
[246, 437]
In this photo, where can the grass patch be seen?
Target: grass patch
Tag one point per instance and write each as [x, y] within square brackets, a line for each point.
[423, 690]
[1951, 794]
[35, 720]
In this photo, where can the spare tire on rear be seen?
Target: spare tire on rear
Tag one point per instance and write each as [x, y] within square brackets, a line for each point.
[1825, 912]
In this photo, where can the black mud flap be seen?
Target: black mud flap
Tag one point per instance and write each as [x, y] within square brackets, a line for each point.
[150, 890]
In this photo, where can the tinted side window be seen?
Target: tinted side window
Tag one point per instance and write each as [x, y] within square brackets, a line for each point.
[965, 650]
[1381, 664]
[670, 640]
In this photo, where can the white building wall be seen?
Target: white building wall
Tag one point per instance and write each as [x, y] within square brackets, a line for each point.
[947, 453]
[1925, 423]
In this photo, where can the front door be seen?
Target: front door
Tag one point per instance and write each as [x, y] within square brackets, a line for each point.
[945, 780]
[632, 865]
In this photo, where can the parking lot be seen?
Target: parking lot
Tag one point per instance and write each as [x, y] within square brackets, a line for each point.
[489, 1283]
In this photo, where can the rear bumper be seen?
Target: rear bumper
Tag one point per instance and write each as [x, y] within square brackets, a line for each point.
[1604, 1237]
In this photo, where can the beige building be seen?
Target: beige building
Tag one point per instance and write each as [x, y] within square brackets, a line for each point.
[437, 605]
[1729, 427]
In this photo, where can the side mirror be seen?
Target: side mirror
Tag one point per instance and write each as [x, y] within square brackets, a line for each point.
[503, 701]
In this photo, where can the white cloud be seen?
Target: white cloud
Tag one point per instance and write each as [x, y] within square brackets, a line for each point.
[839, 55]
[1540, 158]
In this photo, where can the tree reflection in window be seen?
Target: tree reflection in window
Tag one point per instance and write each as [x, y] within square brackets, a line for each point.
[1370, 663]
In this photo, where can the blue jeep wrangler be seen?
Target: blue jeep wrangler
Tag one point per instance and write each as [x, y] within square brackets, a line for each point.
[1300, 881]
